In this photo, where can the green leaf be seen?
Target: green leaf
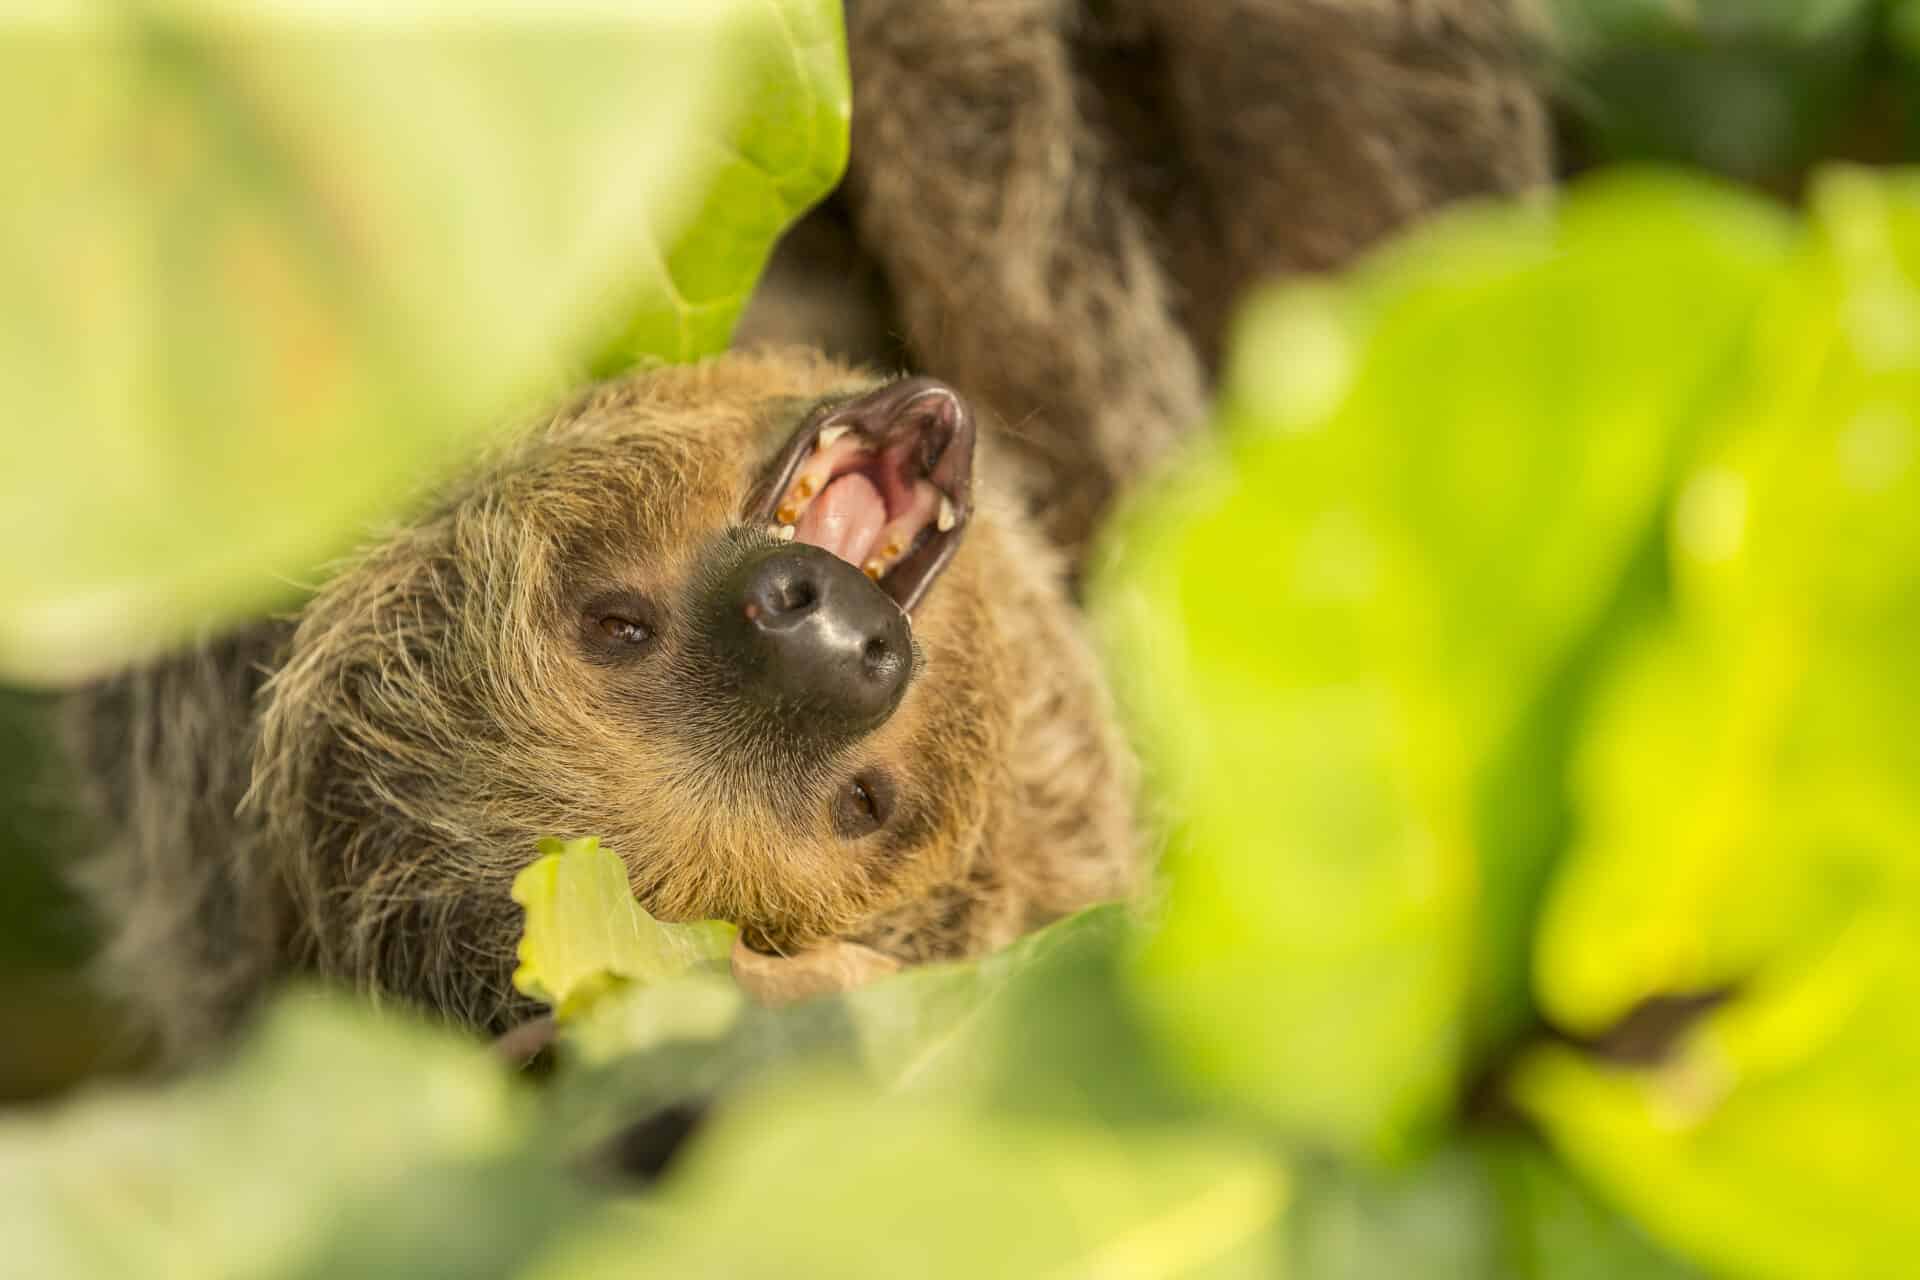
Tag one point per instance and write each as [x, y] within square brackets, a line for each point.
[1038, 1025]
[1040, 1028]
[1487, 1207]
[586, 935]
[1439, 479]
[1555, 1228]
[1437, 1219]
[825, 1181]
[271, 267]
[1754, 88]
[1750, 820]
[245, 1171]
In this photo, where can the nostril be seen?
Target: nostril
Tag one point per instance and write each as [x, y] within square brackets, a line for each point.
[782, 597]
[804, 635]
[794, 595]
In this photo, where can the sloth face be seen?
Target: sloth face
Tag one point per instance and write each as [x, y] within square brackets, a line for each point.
[740, 620]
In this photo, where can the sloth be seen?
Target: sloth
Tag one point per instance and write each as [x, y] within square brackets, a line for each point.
[797, 639]
[752, 622]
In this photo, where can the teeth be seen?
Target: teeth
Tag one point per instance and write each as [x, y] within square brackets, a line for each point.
[785, 533]
[832, 451]
[899, 534]
[883, 560]
[948, 516]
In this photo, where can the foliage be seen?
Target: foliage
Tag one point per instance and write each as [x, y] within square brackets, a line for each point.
[1527, 670]
[268, 266]
[1752, 88]
[1579, 677]
[585, 936]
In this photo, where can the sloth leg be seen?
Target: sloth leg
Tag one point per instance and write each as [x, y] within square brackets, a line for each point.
[1307, 130]
[1068, 200]
[1021, 267]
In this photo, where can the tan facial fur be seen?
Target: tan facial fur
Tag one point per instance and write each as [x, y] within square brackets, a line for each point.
[443, 701]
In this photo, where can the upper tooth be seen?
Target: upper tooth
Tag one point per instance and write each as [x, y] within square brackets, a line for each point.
[948, 517]
[786, 533]
[828, 435]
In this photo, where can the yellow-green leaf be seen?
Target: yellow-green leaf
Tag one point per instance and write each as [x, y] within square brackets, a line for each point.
[1749, 808]
[1344, 637]
[269, 267]
[586, 935]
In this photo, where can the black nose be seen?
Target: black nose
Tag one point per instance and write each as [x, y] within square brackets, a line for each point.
[809, 638]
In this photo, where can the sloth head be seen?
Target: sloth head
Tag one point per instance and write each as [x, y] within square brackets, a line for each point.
[741, 620]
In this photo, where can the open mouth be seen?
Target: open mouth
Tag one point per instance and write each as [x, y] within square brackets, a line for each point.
[884, 481]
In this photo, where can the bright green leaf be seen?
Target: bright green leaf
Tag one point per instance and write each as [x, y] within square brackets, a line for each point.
[585, 934]
[1750, 816]
[1439, 478]
[270, 267]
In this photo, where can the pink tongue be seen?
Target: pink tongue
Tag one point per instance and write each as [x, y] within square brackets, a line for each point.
[845, 519]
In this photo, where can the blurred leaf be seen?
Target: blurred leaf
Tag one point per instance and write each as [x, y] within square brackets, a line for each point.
[244, 1172]
[1039, 1028]
[1438, 1220]
[1438, 479]
[1751, 88]
[1489, 1208]
[994, 1025]
[827, 1182]
[1553, 1228]
[270, 267]
[1751, 816]
[586, 934]
[456, 1220]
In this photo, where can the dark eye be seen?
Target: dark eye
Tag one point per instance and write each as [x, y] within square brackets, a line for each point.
[618, 625]
[864, 804]
[625, 630]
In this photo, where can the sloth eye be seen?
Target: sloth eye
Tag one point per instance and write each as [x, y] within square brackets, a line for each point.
[625, 630]
[864, 804]
[618, 625]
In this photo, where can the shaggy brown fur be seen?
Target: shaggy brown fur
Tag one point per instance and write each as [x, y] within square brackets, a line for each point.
[1066, 199]
[434, 712]
[1053, 206]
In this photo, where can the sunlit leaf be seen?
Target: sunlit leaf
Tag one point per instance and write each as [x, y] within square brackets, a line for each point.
[1751, 820]
[1338, 636]
[585, 935]
[267, 268]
